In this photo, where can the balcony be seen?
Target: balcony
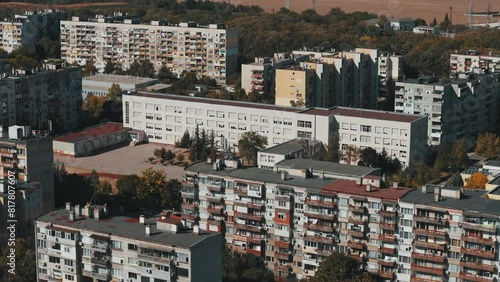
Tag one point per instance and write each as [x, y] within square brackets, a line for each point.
[357, 220]
[432, 220]
[478, 265]
[429, 232]
[100, 276]
[357, 257]
[319, 227]
[355, 233]
[254, 217]
[255, 206]
[187, 206]
[479, 240]
[215, 210]
[152, 257]
[282, 245]
[355, 245]
[479, 227]
[214, 199]
[188, 217]
[428, 257]
[251, 228]
[240, 191]
[188, 184]
[386, 275]
[357, 209]
[324, 253]
[282, 256]
[387, 213]
[387, 238]
[283, 268]
[476, 278]
[239, 249]
[387, 226]
[330, 217]
[319, 239]
[187, 195]
[214, 188]
[387, 251]
[478, 253]
[388, 263]
[429, 245]
[99, 261]
[214, 222]
[418, 279]
[426, 269]
[321, 204]
[255, 239]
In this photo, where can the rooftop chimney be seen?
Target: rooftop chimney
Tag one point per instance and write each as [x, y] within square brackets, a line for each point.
[359, 181]
[68, 206]
[86, 210]
[71, 216]
[437, 194]
[196, 229]
[142, 219]
[96, 213]
[395, 185]
[148, 230]
[77, 211]
[284, 175]
[368, 188]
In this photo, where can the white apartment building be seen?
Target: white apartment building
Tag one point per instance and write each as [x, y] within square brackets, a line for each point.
[85, 244]
[207, 50]
[403, 24]
[473, 61]
[460, 108]
[434, 30]
[164, 118]
[390, 66]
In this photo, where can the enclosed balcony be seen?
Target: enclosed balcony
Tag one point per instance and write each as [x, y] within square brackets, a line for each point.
[319, 239]
[479, 240]
[428, 269]
[428, 257]
[478, 265]
[387, 225]
[429, 232]
[254, 217]
[429, 245]
[478, 253]
[384, 213]
[319, 227]
[479, 227]
[387, 263]
[357, 209]
[356, 233]
[386, 274]
[309, 214]
[466, 277]
[387, 251]
[431, 220]
[355, 245]
[357, 220]
[320, 203]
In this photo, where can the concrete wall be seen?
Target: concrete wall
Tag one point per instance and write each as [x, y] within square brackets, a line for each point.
[206, 264]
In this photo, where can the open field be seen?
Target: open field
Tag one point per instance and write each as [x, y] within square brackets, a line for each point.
[30, 6]
[425, 9]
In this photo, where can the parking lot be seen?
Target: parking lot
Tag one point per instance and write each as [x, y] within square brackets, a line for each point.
[125, 160]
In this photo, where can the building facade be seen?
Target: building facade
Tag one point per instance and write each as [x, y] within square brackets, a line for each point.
[100, 84]
[458, 109]
[25, 30]
[473, 61]
[164, 118]
[390, 66]
[403, 24]
[50, 98]
[208, 51]
[295, 86]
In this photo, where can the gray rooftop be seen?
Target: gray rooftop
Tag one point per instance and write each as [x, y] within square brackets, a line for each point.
[126, 227]
[114, 78]
[471, 200]
[330, 167]
[260, 175]
[493, 163]
[285, 148]
[495, 181]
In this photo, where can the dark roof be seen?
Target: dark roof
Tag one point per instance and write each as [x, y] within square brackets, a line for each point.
[471, 200]
[215, 101]
[473, 169]
[350, 187]
[495, 181]
[364, 113]
[127, 227]
[285, 148]
[92, 132]
[493, 163]
[334, 168]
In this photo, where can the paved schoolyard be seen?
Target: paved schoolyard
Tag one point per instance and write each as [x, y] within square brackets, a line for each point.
[125, 160]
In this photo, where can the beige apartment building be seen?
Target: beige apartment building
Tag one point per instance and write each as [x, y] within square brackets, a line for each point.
[206, 50]
[473, 61]
[295, 85]
[89, 244]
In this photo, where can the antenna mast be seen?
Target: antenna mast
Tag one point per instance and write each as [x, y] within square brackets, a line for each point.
[470, 13]
[288, 5]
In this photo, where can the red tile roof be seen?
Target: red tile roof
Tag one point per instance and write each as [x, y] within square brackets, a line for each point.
[350, 187]
[171, 220]
[92, 132]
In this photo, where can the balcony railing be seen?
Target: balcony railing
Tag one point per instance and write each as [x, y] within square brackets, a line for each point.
[479, 240]
[319, 227]
[432, 220]
[357, 257]
[330, 217]
[188, 206]
[387, 251]
[254, 217]
[324, 253]
[429, 245]
[282, 256]
[214, 188]
[357, 209]
[429, 232]
[278, 267]
[357, 220]
[240, 191]
[386, 275]
[426, 269]
[388, 263]
[387, 225]
[387, 213]
[476, 278]
[355, 233]
[214, 222]
[387, 238]
[428, 257]
[480, 227]
[478, 253]
[281, 244]
[355, 245]
[478, 265]
[100, 276]
[215, 210]
[99, 261]
[214, 199]
[322, 204]
[251, 228]
[319, 239]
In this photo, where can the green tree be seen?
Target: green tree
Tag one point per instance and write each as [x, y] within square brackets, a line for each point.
[105, 188]
[127, 186]
[25, 263]
[146, 69]
[109, 68]
[420, 22]
[89, 68]
[150, 185]
[459, 153]
[114, 92]
[369, 157]
[94, 104]
[446, 23]
[333, 153]
[455, 180]
[164, 74]
[185, 141]
[488, 145]
[171, 195]
[249, 144]
[339, 267]
[238, 267]
[135, 69]
[434, 22]
[93, 180]
[169, 155]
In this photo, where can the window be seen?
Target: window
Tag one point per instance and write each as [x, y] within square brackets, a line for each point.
[182, 272]
[406, 211]
[182, 257]
[304, 134]
[365, 139]
[132, 247]
[149, 116]
[87, 253]
[132, 275]
[302, 123]
[282, 215]
[69, 277]
[343, 201]
[68, 262]
[404, 259]
[345, 126]
[366, 128]
[117, 272]
[405, 222]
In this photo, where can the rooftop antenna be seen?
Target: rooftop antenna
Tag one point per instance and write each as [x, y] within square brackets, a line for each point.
[451, 14]
[288, 5]
[470, 13]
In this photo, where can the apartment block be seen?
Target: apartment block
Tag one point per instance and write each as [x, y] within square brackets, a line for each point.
[473, 61]
[25, 30]
[390, 66]
[164, 118]
[421, 29]
[28, 159]
[206, 50]
[347, 79]
[88, 244]
[403, 24]
[295, 85]
[46, 98]
[259, 76]
[460, 108]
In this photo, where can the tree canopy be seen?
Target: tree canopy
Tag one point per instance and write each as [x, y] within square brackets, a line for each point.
[488, 145]
[339, 267]
[249, 144]
[25, 265]
[477, 181]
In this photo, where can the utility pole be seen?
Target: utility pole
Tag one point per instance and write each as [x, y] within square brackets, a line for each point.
[288, 5]
[451, 14]
[470, 13]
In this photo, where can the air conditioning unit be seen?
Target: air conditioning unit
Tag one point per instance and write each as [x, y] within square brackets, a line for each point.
[400, 240]
[305, 271]
[149, 271]
[44, 264]
[401, 228]
[58, 266]
[42, 236]
[71, 269]
[80, 243]
[402, 216]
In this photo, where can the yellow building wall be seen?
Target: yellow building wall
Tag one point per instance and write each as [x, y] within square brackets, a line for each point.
[292, 85]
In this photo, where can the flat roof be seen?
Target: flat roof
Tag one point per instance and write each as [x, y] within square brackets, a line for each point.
[350, 187]
[215, 101]
[495, 181]
[471, 200]
[92, 132]
[493, 163]
[288, 147]
[127, 227]
[115, 78]
[364, 113]
[331, 167]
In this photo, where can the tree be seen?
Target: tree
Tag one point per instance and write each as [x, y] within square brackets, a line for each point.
[420, 22]
[446, 23]
[134, 69]
[93, 180]
[89, 68]
[109, 68]
[333, 153]
[297, 104]
[488, 145]
[94, 104]
[351, 155]
[477, 181]
[146, 69]
[434, 22]
[164, 74]
[312, 149]
[114, 92]
[339, 267]
[369, 157]
[243, 267]
[185, 141]
[455, 180]
[151, 182]
[127, 185]
[169, 155]
[459, 155]
[249, 144]
[171, 195]
[25, 264]
[105, 188]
